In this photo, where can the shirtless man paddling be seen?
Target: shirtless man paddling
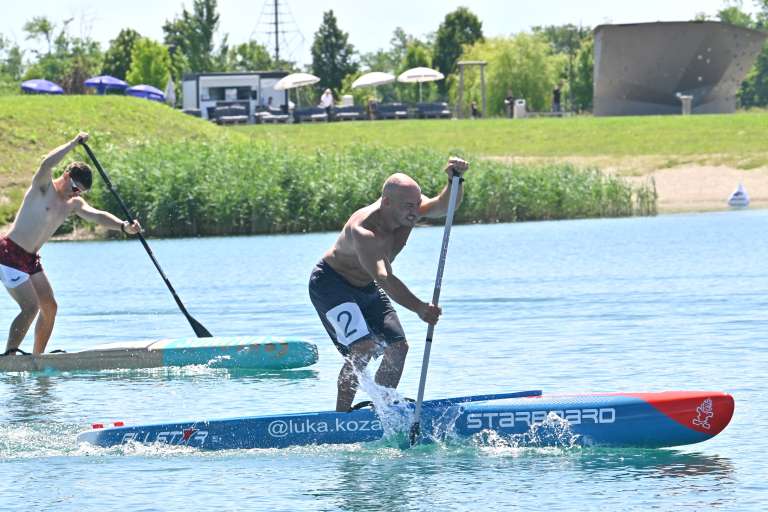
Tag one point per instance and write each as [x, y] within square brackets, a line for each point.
[46, 205]
[351, 284]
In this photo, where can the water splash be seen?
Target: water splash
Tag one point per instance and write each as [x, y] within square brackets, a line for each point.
[390, 406]
[442, 427]
[553, 432]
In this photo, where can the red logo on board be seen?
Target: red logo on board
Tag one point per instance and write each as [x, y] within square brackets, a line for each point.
[187, 433]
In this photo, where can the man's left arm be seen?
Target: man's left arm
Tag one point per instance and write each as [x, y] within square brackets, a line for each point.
[106, 219]
[437, 207]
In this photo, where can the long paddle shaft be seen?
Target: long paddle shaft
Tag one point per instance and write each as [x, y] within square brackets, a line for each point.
[416, 427]
[200, 331]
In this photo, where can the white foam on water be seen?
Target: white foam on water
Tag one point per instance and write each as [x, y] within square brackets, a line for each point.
[218, 359]
[554, 432]
[26, 441]
[133, 448]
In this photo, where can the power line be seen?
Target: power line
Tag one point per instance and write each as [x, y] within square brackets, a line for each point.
[278, 29]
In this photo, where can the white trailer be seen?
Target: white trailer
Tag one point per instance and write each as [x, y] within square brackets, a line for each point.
[203, 92]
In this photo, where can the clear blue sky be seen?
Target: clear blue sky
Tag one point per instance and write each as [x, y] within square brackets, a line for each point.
[370, 23]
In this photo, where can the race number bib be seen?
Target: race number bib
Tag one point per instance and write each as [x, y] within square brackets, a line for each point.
[348, 322]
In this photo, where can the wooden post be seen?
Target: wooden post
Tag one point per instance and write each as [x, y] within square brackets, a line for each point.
[482, 86]
[460, 102]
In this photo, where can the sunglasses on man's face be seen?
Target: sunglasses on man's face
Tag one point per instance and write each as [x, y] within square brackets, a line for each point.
[76, 189]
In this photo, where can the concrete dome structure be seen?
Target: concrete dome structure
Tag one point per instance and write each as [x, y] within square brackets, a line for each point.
[642, 69]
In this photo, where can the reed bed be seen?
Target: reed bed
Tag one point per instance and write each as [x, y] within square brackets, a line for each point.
[200, 189]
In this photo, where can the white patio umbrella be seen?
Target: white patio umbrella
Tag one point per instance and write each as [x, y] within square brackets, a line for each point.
[295, 80]
[373, 79]
[420, 75]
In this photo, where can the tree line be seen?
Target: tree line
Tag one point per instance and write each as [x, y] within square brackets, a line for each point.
[524, 65]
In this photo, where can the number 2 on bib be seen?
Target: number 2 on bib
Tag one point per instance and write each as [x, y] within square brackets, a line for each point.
[348, 322]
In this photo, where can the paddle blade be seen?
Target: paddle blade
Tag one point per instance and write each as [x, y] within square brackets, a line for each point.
[200, 331]
[415, 432]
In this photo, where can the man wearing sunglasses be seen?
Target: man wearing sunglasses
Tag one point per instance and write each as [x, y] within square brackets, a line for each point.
[46, 205]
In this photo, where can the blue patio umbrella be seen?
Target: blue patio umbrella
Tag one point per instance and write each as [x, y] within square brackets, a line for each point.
[104, 82]
[146, 91]
[40, 86]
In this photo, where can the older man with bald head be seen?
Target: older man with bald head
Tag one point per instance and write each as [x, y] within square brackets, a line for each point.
[351, 285]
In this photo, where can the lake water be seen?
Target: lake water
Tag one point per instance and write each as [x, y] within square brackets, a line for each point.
[641, 304]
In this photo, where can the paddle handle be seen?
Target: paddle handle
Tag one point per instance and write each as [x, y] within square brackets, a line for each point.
[455, 179]
[200, 331]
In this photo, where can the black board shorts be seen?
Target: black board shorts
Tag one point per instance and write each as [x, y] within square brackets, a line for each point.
[351, 313]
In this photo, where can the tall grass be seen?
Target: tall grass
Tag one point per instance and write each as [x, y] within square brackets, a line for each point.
[503, 193]
[198, 189]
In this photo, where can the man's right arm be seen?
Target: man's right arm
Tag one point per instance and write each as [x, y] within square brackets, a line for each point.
[43, 176]
[381, 271]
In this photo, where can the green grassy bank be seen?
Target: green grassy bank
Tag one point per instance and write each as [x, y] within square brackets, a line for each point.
[254, 179]
[30, 126]
[738, 139]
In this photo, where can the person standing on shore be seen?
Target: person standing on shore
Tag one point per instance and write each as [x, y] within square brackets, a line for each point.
[46, 205]
[326, 103]
[351, 285]
[509, 104]
[557, 94]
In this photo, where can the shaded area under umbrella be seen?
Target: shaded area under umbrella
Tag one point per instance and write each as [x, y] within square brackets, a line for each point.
[146, 91]
[373, 79]
[105, 82]
[420, 75]
[40, 86]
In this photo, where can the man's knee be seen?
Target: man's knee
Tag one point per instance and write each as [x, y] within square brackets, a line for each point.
[49, 307]
[29, 309]
[361, 352]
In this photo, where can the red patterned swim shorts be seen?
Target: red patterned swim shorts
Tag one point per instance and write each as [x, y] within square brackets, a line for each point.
[17, 262]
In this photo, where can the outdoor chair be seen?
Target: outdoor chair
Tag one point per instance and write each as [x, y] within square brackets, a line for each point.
[270, 115]
[349, 113]
[437, 110]
[391, 111]
[230, 114]
[309, 114]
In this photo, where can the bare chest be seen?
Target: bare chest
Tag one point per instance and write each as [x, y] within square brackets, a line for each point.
[42, 210]
[391, 245]
[50, 206]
